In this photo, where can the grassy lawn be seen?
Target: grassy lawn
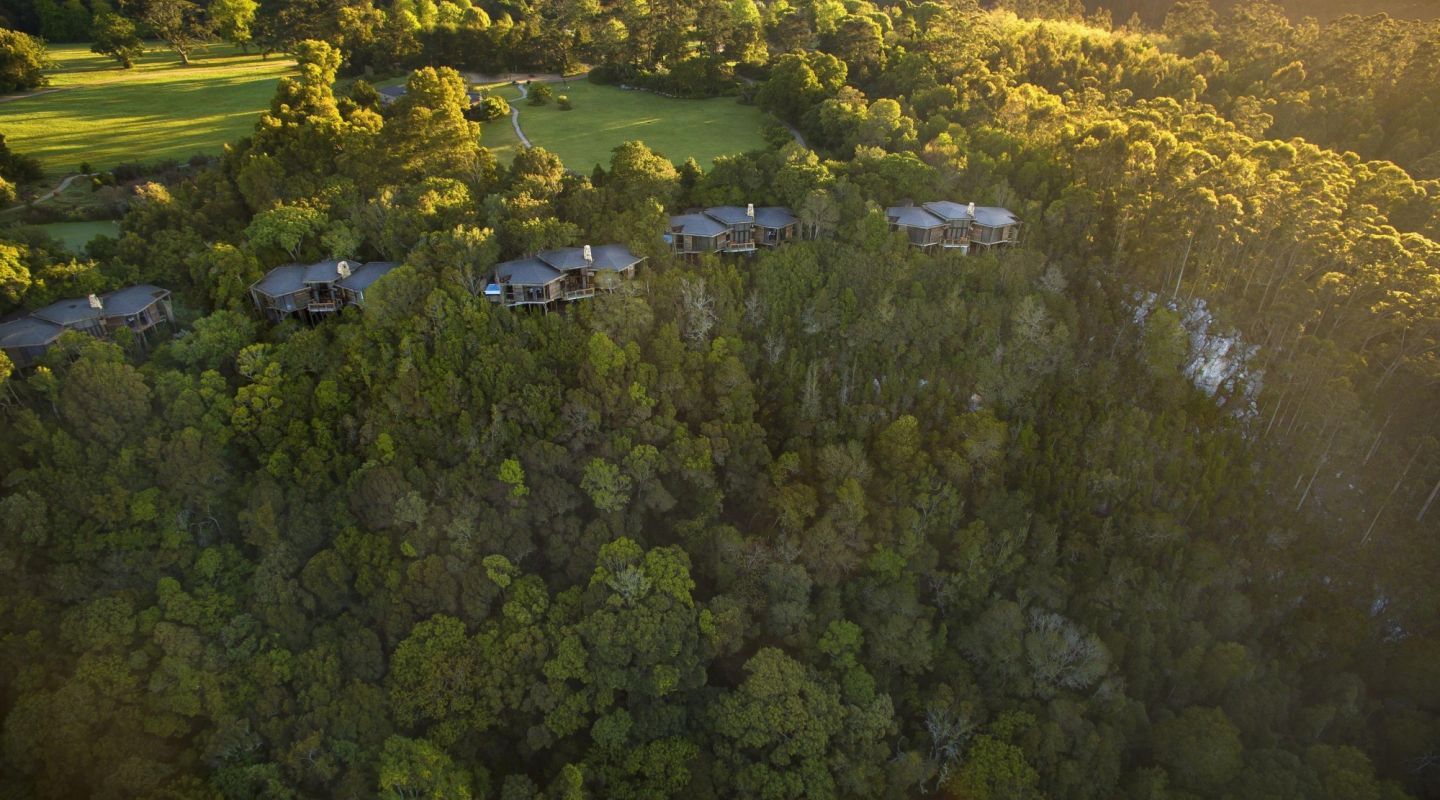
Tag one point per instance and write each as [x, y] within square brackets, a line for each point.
[75, 235]
[606, 116]
[105, 115]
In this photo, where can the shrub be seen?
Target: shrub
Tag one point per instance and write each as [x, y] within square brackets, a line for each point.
[607, 74]
[540, 94]
[563, 101]
[491, 107]
[695, 77]
[365, 94]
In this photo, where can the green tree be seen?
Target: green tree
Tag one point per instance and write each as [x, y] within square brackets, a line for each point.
[101, 397]
[14, 274]
[115, 36]
[180, 24]
[415, 768]
[22, 59]
[232, 20]
[1191, 24]
[785, 733]
[63, 20]
[427, 132]
[286, 227]
[993, 769]
[213, 341]
[1200, 747]
[608, 488]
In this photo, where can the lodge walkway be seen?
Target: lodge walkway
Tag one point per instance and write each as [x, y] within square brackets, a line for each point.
[515, 116]
[50, 195]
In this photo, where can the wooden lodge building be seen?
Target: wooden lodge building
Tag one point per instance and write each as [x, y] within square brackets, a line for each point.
[948, 225]
[315, 291]
[731, 229]
[140, 309]
[564, 275]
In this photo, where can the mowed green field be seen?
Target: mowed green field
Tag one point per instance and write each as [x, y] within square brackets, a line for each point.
[75, 235]
[606, 116]
[105, 115]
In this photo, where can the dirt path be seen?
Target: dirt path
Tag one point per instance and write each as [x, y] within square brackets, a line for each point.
[50, 195]
[795, 132]
[65, 184]
[23, 95]
[522, 77]
[799, 139]
[515, 117]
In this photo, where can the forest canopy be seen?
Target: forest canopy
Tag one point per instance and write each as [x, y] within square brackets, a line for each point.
[1141, 508]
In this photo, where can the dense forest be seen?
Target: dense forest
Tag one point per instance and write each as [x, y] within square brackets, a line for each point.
[1140, 509]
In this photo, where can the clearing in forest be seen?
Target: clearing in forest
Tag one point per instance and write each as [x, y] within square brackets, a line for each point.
[606, 116]
[94, 112]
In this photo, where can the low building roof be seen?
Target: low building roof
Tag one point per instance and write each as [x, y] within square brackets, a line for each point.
[730, 215]
[565, 258]
[526, 272]
[362, 276]
[327, 271]
[69, 312]
[994, 216]
[949, 210]
[697, 225]
[615, 257]
[28, 331]
[284, 279]
[775, 217]
[913, 217]
[132, 300]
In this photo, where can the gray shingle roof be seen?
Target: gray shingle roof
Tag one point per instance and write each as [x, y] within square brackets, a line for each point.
[284, 279]
[526, 272]
[697, 225]
[774, 217]
[730, 215]
[949, 210]
[132, 300]
[327, 271]
[614, 256]
[366, 274]
[995, 217]
[565, 258]
[28, 331]
[69, 312]
[913, 217]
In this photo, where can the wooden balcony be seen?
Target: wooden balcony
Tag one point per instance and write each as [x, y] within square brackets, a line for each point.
[531, 295]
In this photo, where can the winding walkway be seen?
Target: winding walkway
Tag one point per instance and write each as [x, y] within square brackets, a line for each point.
[794, 131]
[515, 116]
[50, 195]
